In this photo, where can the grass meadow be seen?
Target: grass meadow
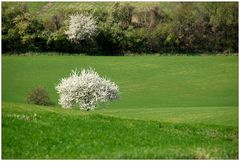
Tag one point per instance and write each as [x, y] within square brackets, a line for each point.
[48, 9]
[169, 107]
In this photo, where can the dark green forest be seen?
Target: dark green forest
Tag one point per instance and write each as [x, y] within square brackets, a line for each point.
[188, 27]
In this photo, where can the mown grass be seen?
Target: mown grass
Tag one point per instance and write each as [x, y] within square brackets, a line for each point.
[205, 85]
[145, 81]
[54, 133]
[169, 107]
[227, 116]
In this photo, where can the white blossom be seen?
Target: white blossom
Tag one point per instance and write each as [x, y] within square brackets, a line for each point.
[81, 27]
[85, 89]
[33, 117]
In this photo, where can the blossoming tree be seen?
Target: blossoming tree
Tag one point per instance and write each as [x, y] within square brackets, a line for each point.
[81, 27]
[85, 89]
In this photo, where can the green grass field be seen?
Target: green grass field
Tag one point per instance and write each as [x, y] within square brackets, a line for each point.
[169, 107]
[46, 9]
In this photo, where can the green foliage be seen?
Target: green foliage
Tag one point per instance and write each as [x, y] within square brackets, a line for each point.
[199, 30]
[10, 39]
[184, 27]
[27, 27]
[225, 27]
[35, 132]
[149, 18]
[21, 30]
[55, 22]
[122, 14]
[39, 96]
[58, 41]
[110, 38]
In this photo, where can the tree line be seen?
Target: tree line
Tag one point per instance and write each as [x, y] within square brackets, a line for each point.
[189, 27]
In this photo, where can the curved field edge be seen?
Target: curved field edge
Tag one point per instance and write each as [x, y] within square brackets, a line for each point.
[226, 116]
[37, 132]
[199, 89]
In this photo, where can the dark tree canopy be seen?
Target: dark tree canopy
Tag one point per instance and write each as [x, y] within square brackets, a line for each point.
[188, 27]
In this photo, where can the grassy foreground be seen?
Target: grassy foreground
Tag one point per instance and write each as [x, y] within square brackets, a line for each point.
[54, 133]
[170, 107]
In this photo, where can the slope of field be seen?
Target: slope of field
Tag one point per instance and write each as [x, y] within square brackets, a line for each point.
[169, 107]
[199, 89]
[227, 116]
[33, 7]
[47, 9]
[35, 132]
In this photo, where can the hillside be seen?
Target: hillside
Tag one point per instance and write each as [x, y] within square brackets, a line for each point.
[47, 9]
[199, 89]
[156, 81]
[36, 132]
[171, 87]
[169, 107]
